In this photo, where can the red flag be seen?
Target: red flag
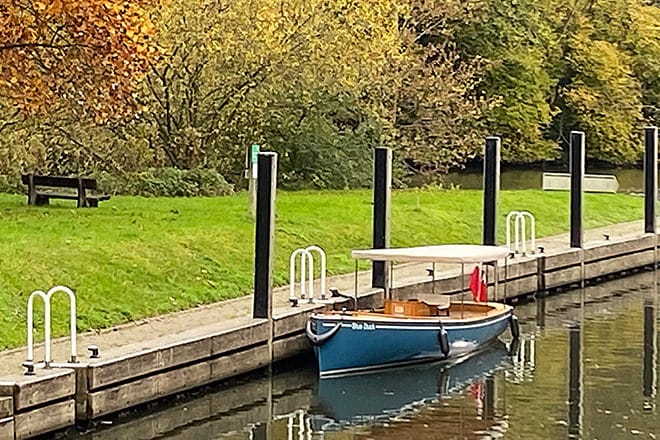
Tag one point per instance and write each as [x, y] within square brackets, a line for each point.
[478, 285]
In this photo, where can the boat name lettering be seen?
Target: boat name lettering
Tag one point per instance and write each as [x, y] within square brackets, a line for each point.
[363, 326]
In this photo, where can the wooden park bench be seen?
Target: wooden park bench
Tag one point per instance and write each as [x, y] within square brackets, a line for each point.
[40, 189]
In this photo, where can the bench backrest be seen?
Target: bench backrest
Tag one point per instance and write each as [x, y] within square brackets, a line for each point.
[60, 181]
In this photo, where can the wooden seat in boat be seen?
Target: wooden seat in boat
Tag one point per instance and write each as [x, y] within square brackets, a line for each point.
[423, 305]
[440, 302]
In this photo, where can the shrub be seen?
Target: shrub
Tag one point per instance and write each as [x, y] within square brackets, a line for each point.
[11, 184]
[166, 182]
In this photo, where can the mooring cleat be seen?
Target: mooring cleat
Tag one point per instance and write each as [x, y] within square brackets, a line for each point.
[29, 368]
[93, 352]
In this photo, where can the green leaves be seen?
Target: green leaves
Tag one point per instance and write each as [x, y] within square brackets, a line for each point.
[557, 67]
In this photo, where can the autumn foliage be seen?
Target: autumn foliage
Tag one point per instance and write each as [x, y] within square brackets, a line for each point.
[87, 54]
[321, 82]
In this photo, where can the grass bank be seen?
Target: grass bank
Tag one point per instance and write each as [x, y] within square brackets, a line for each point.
[134, 257]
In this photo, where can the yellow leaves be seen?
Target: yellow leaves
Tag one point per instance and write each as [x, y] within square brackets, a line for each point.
[53, 7]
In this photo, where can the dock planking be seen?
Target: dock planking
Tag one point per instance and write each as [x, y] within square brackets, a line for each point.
[7, 429]
[45, 386]
[146, 389]
[112, 369]
[6, 407]
[609, 250]
[6, 417]
[45, 419]
[126, 395]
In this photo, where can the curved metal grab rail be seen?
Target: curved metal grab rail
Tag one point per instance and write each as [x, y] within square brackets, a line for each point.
[46, 297]
[520, 232]
[306, 280]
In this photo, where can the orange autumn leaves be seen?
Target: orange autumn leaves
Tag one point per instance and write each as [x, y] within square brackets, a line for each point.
[86, 54]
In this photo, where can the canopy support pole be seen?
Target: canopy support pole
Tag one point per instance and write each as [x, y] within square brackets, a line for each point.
[433, 279]
[391, 280]
[355, 293]
[496, 280]
[462, 286]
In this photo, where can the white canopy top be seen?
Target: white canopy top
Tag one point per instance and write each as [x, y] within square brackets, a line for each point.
[446, 253]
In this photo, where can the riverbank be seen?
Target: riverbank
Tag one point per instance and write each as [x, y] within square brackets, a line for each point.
[134, 258]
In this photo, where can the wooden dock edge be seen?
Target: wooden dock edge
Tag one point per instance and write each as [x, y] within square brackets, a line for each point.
[7, 417]
[56, 398]
[36, 405]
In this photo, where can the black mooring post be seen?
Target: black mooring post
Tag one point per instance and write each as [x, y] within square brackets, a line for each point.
[265, 235]
[381, 219]
[650, 177]
[576, 168]
[575, 381]
[491, 187]
[649, 349]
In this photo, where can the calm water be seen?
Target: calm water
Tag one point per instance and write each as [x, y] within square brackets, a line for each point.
[602, 385]
[630, 180]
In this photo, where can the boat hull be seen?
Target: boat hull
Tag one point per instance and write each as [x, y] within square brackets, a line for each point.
[349, 343]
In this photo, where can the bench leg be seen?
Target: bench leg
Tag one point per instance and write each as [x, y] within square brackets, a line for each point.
[93, 203]
[41, 200]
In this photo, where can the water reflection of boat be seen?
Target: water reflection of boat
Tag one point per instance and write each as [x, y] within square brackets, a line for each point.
[388, 393]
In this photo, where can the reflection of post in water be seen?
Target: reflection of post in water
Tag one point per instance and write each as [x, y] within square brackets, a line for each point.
[540, 311]
[650, 350]
[443, 383]
[575, 381]
[489, 398]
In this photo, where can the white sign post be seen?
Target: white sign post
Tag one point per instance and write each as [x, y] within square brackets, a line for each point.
[251, 174]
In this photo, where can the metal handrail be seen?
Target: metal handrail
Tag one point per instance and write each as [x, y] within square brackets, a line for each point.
[305, 255]
[306, 264]
[520, 232]
[46, 297]
[321, 253]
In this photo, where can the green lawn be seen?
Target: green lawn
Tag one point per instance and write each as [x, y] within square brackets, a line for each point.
[134, 257]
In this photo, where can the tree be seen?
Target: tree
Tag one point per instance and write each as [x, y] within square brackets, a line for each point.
[608, 70]
[558, 66]
[605, 99]
[432, 115]
[86, 54]
[645, 48]
[517, 42]
[233, 73]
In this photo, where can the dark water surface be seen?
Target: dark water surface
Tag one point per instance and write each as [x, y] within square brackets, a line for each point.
[586, 367]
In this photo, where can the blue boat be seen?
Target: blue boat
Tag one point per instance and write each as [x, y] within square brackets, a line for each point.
[426, 328]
